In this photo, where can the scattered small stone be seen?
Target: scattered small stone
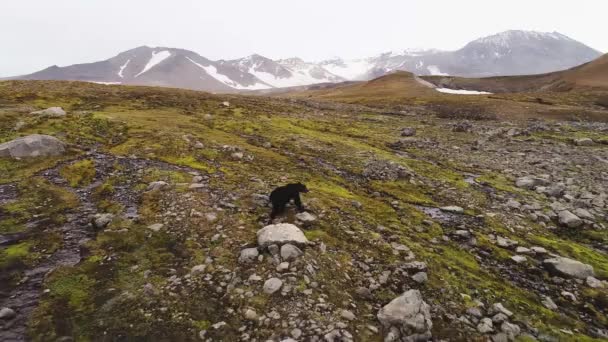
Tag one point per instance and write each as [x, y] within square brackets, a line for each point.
[583, 142]
[7, 313]
[158, 186]
[282, 267]
[498, 307]
[408, 131]
[198, 269]
[156, 227]
[519, 259]
[594, 283]
[420, 277]
[272, 285]
[348, 315]
[485, 326]
[251, 315]
[549, 303]
[50, 112]
[453, 209]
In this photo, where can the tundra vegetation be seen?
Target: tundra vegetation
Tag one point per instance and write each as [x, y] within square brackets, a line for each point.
[145, 228]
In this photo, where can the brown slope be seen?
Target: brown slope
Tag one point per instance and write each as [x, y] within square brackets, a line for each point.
[589, 76]
[391, 88]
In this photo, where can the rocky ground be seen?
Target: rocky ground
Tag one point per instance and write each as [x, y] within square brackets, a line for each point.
[147, 220]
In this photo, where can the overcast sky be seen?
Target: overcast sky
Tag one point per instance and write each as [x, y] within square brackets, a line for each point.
[36, 34]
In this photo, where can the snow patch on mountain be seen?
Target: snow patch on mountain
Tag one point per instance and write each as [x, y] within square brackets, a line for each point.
[212, 71]
[434, 70]
[156, 58]
[506, 38]
[461, 91]
[350, 70]
[122, 68]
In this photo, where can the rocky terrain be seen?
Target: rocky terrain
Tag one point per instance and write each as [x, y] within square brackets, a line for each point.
[134, 213]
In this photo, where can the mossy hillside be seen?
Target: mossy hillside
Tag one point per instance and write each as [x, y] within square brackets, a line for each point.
[306, 146]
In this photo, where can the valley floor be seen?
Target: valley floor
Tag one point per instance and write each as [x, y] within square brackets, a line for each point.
[137, 231]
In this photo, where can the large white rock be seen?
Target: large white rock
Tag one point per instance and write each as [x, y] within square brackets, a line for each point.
[35, 145]
[409, 313]
[51, 111]
[280, 234]
[569, 268]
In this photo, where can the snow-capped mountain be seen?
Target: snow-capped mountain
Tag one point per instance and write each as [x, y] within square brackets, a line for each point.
[506, 53]
[283, 73]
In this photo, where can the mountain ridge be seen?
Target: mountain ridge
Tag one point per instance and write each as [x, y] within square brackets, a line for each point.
[513, 52]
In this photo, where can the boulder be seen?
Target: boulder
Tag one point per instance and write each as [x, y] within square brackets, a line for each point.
[290, 252]
[248, 255]
[410, 314]
[280, 234]
[35, 145]
[51, 111]
[272, 285]
[568, 219]
[568, 268]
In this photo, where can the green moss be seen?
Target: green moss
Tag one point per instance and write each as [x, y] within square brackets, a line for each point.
[498, 182]
[15, 170]
[404, 191]
[75, 289]
[14, 255]
[80, 173]
[576, 251]
[37, 198]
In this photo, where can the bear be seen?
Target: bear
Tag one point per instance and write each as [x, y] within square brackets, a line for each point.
[282, 195]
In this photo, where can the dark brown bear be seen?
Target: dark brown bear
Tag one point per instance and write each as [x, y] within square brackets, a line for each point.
[282, 195]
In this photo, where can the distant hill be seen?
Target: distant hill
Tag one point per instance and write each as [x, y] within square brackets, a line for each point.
[589, 76]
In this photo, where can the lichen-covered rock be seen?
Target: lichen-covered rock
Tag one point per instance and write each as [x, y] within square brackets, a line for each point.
[100, 221]
[272, 285]
[290, 252]
[568, 219]
[248, 255]
[280, 234]
[583, 142]
[569, 268]
[158, 185]
[410, 314]
[35, 145]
